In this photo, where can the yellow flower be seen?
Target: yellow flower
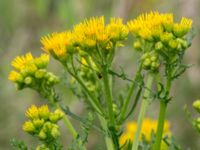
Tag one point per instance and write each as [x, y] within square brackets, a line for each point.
[15, 77]
[147, 25]
[32, 112]
[28, 127]
[44, 112]
[116, 29]
[56, 43]
[180, 29]
[148, 126]
[19, 63]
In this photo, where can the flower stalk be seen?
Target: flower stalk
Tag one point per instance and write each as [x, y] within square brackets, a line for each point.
[144, 106]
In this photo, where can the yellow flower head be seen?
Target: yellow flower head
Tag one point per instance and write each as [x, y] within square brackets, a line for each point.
[148, 126]
[180, 29]
[32, 112]
[56, 43]
[29, 127]
[153, 24]
[116, 29]
[20, 62]
[15, 76]
[44, 111]
[146, 25]
[94, 31]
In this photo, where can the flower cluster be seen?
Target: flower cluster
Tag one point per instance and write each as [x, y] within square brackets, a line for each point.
[43, 123]
[30, 71]
[148, 127]
[92, 34]
[159, 33]
[196, 105]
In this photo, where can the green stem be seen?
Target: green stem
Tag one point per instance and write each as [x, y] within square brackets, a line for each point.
[108, 95]
[145, 103]
[128, 98]
[161, 119]
[67, 123]
[108, 140]
[161, 122]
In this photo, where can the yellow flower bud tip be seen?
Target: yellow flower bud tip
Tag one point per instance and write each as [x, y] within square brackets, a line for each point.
[198, 120]
[28, 80]
[42, 61]
[38, 122]
[146, 64]
[40, 73]
[59, 112]
[44, 112]
[29, 127]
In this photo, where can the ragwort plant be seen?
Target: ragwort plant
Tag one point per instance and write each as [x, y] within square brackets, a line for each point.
[86, 53]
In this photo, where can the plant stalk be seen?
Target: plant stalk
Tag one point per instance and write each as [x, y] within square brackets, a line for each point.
[144, 106]
[161, 119]
[108, 95]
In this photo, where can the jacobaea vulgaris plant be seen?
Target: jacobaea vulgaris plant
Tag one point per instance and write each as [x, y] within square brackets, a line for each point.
[86, 53]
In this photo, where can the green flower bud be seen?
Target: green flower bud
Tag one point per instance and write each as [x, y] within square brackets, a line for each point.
[154, 66]
[53, 117]
[42, 135]
[137, 45]
[198, 120]
[28, 80]
[196, 105]
[146, 64]
[38, 122]
[173, 44]
[158, 46]
[42, 147]
[145, 56]
[55, 132]
[154, 58]
[166, 37]
[40, 73]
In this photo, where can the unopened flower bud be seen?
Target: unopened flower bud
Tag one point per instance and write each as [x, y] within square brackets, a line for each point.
[28, 80]
[166, 37]
[173, 44]
[196, 105]
[145, 56]
[40, 73]
[42, 135]
[55, 132]
[38, 122]
[137, 45]
[158, 46]
[146, 64]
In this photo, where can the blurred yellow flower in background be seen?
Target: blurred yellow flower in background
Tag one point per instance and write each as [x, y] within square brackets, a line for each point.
[148, 127]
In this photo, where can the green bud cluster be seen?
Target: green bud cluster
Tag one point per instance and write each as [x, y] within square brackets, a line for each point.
[150, 61]
[196, 106]
[42, 123]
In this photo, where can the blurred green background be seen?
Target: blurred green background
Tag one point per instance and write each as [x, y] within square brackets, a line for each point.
[23, 22]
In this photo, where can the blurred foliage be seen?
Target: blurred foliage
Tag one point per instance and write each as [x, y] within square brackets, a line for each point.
[22, 24]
